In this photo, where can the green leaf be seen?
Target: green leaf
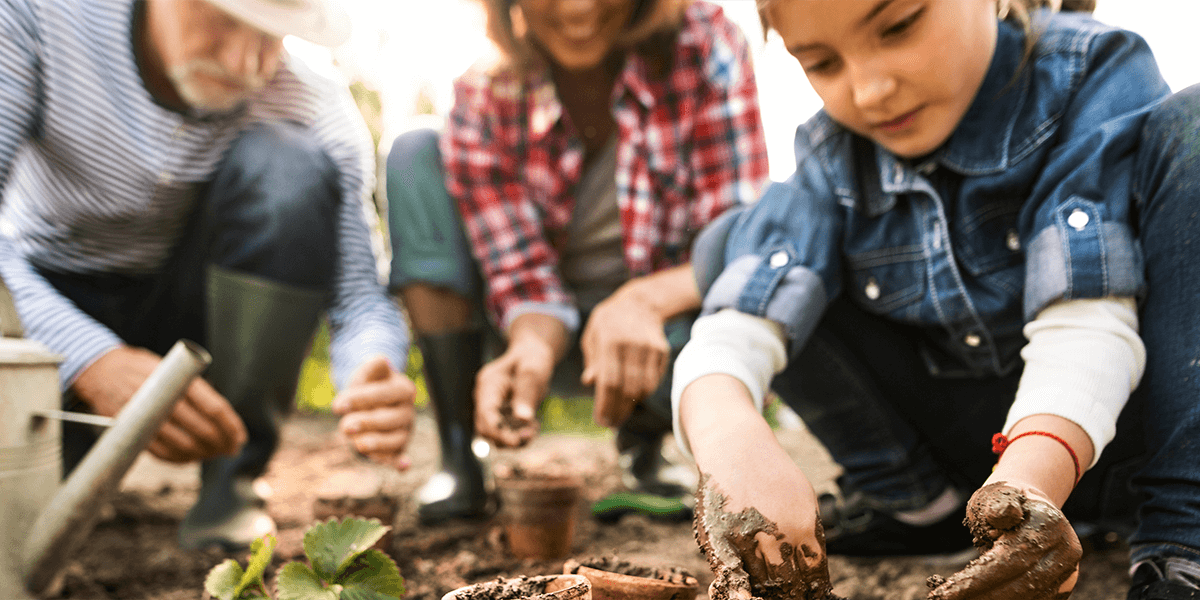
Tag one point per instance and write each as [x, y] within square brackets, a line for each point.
[373, 572]
[364, 594]
[332, 545]
[298, 582]
[222, 580]
[261, 551]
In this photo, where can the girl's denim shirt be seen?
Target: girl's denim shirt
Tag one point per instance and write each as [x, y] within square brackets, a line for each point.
[1028, 202]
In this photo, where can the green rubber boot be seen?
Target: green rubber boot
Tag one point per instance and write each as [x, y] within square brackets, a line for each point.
[259, 333]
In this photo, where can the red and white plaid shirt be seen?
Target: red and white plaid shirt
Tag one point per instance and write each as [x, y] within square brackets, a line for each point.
[690, 145]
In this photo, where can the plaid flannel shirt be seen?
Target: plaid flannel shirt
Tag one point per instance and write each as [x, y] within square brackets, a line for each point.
[690, 145]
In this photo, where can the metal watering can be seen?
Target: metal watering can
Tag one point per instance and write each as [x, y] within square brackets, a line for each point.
[43, 517]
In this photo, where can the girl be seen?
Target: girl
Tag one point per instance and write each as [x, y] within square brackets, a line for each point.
[982, 217]
[581, 167]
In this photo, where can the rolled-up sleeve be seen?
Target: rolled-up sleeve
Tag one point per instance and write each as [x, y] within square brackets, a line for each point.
[1081, 244]
[781, 259]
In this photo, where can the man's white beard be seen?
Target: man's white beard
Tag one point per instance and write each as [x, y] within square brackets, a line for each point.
[207, 96]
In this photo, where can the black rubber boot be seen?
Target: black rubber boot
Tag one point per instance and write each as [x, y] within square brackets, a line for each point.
[259, 333]
[457, 491]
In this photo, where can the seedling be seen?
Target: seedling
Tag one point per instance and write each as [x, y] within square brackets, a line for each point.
[341, 566]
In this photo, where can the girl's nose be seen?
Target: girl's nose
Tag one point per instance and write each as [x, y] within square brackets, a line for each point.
[871, 87]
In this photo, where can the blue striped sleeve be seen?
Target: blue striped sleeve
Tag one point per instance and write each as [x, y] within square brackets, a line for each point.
[45, 314]
[19, 83]
[363, 320]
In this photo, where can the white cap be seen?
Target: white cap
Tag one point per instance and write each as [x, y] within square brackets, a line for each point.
[322, 22]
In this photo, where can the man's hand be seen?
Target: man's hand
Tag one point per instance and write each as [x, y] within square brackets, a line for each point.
[509, 390]
[201, 425]
[377, 412]
[1030, 551]
[625, 354]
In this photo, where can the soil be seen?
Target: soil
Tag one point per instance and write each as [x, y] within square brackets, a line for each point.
[132, 553]
[614, 564]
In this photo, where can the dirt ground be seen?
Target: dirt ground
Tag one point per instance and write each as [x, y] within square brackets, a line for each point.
[132, 553]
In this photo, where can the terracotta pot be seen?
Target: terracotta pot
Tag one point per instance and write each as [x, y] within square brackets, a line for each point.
[539, 514]
[542, 587]
[618, 580]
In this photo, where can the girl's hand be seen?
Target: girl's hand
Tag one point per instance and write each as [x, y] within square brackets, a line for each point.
[1030, 551]
[752, 556]
[757, 519]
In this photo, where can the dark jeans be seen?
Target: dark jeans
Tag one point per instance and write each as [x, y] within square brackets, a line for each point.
[270, 211]
[902, 435]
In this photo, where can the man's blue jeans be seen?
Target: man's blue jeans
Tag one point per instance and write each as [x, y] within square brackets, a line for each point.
[270, 211]
[902, 435]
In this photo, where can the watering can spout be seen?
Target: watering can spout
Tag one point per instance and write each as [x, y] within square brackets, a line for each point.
[71, 512]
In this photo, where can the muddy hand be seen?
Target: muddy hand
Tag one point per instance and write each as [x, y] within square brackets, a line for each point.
[1030, 550]
[748, 558]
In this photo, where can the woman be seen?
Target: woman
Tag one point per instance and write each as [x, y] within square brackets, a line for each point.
[580, 166]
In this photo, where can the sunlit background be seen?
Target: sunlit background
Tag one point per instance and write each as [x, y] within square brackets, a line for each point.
[409, 51]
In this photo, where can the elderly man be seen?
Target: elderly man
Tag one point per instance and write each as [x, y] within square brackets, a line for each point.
[168, 171]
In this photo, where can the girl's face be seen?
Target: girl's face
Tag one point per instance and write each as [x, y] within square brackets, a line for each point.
[577, 34]
[901, 72]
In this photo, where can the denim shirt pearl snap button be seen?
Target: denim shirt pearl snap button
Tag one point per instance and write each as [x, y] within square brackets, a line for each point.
[872, 289]
[972, 339]
[779, 259]
[1078, 219]
[1013, 240]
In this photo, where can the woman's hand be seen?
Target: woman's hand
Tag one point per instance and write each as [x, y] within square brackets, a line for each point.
[509, 390]
[1030, 551]
[377, 412]
[202, 424]
[625, 354]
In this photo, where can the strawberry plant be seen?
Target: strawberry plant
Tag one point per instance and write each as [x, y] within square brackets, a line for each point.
[341, 566]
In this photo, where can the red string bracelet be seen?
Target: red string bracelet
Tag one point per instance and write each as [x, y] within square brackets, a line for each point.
[1000, 443]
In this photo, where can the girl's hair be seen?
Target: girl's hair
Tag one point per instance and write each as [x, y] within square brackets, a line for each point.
[651, 32]
[1015, 11]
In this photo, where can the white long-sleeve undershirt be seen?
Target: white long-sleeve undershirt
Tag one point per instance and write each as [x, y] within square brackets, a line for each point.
[1083, 359]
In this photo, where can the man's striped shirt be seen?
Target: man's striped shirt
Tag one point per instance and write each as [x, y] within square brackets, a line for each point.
[99, 178]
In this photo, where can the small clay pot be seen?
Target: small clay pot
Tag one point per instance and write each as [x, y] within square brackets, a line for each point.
[539, 514]
[614, 579]
[542, 587]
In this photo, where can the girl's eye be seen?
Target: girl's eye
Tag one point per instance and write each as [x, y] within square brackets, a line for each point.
[822, 66]
[903, 25]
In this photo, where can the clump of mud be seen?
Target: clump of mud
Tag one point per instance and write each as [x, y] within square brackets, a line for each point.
[613, 564]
